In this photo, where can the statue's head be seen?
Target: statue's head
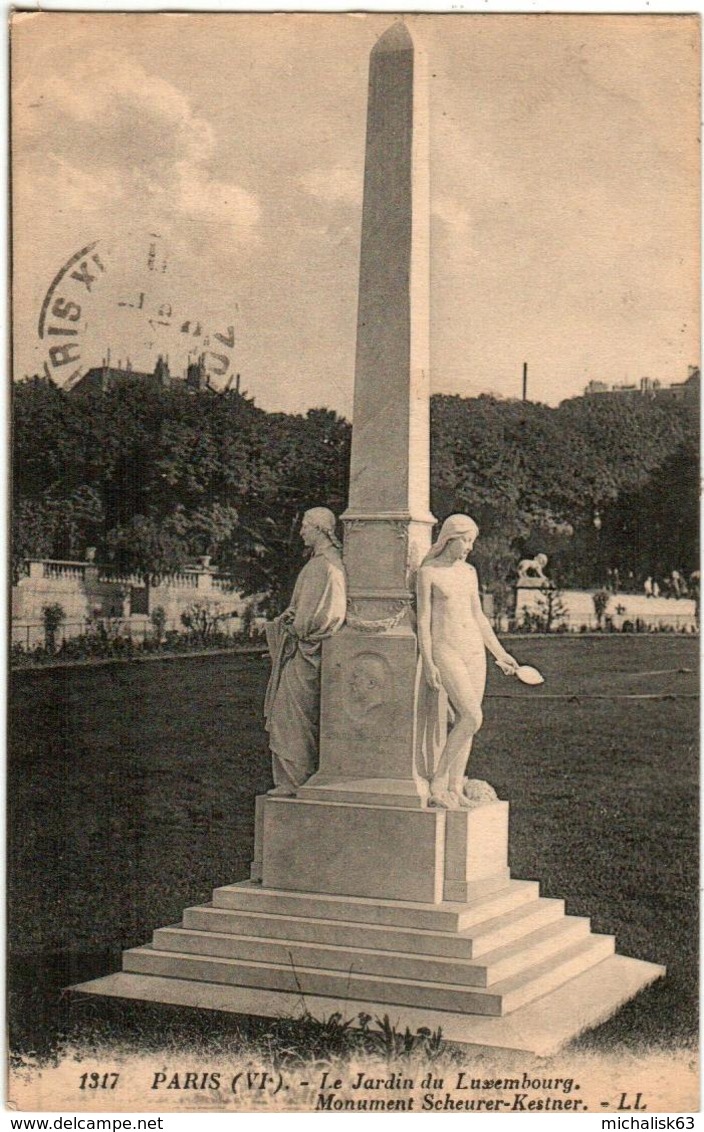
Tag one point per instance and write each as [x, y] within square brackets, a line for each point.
[319, 521]
[455, 527]
[542, 560]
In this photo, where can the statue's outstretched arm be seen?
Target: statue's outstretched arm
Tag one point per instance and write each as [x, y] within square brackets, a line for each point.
[505, 661]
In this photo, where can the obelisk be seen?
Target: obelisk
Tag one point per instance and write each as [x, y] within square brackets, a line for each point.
[369, 670]
[389, 475]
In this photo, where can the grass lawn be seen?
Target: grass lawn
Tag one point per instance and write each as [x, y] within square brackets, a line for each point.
[131, 791]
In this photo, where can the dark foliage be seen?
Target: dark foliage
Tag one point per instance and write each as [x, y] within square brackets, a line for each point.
[153, 477]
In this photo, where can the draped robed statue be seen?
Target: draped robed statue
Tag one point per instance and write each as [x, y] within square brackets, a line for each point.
[453, 636]
[316, 611]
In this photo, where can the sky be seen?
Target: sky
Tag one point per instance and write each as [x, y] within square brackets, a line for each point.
[214, 166]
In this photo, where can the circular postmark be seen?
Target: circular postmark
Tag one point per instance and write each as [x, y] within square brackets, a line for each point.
[119, 309]
[62, 319]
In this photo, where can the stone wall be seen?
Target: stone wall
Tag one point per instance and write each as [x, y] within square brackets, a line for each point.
[652, 613]
[90, 592]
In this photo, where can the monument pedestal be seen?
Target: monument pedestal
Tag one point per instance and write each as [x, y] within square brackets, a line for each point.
[367, 719]
[383, 909]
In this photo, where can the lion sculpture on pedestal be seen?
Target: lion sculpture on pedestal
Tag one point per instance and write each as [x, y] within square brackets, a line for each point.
[531, 571]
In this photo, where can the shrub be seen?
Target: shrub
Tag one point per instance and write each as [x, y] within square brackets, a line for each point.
[201, 619]
[247, 621]
[601, 601]
[550, 614]
[53, 616]
[158, 621]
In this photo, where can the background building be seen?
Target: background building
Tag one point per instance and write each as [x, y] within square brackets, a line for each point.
[686, 391]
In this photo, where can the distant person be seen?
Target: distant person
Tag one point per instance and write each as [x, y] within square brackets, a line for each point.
[677, 583]
[648, 587]
[694, 589]
[656, 589]
[617, 580]
[631, 582]
[317, 610]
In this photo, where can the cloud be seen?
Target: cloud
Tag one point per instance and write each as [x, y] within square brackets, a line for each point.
[339, 184]
[216, 202]
[71, 190]
[106, 134]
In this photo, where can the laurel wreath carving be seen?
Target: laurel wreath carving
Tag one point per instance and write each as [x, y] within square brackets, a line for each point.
[398, 526]
[379, 624]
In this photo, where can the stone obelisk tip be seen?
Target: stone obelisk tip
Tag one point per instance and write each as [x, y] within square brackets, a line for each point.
[396, 38]
[389, 473]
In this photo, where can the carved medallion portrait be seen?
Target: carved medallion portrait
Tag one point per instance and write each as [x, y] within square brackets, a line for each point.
[370, 684]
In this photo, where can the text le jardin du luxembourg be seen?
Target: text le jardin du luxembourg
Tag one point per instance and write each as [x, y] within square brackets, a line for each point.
[458, 1091]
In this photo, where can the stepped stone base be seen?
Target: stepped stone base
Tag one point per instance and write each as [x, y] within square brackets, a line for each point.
[507, 970]
[386, 910]
[540, 1029]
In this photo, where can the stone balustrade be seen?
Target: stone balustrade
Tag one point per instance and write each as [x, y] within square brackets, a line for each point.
[222, 583]
[632, 610]
[88, 590]
[110, 574]
[58, 569]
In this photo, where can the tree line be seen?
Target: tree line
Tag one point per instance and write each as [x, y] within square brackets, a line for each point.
[152, 477]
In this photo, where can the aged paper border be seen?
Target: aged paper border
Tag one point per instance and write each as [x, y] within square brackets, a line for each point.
[658, 1069]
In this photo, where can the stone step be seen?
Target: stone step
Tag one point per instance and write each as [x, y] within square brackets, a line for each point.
[512, 926]
[548, 940]
[526, 952]
[540, 1028]
[526, 986]
[500, 999]
[447, 916]
[469, 944]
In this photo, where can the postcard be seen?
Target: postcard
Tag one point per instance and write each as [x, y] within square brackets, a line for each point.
[353, 713]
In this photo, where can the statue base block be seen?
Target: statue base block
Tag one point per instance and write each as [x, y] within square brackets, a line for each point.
[382, 852]
[394, 854]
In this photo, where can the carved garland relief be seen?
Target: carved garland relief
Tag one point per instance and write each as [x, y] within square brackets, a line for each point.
[380, 624]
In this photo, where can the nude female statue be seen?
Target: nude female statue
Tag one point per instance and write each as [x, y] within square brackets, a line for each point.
[453, 635]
